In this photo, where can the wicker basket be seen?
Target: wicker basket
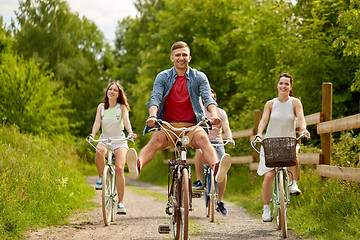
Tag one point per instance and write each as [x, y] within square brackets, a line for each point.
[280, 151]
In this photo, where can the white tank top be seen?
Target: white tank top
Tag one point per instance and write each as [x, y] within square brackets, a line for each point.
[282, 120]
[112, 122]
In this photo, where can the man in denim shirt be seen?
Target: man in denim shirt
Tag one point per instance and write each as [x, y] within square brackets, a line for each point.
[176, 98]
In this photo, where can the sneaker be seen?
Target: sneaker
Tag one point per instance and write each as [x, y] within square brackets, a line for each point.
[294, 189]
[98, 184]
[221, 208]
[133, 165]
[197, 185]
[121, 208]
[266, 217]
[222, 167]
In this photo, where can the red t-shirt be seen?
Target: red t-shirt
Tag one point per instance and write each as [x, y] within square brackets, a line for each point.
[178, 107]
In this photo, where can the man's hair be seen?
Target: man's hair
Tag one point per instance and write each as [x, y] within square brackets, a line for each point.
[179, 44]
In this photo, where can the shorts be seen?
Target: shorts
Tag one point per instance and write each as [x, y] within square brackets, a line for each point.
[117, 144]
[171, 138]
[220, 150]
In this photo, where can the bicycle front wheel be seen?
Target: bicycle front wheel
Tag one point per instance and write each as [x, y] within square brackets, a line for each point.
[107, 194]
[182, 220]
[212, 197]
[207, 191]
[283, 205]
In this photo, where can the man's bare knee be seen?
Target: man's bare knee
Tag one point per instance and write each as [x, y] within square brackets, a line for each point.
[200, 140]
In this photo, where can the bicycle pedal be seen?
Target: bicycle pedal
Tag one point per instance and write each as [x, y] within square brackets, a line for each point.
[295, 194]
[164, 229]
[196, 194]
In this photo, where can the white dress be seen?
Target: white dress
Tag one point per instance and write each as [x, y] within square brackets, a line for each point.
[282, 123]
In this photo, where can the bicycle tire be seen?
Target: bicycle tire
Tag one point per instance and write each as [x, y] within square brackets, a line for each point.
[185, 204]
[106, 196]
[283, 205]
[276, 201]
[207, 183]
[175, 218]
[212, 197]
[115, 201]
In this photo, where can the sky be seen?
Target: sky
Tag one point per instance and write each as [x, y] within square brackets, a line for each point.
[104, 13]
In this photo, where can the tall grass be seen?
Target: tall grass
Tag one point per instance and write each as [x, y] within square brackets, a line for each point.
[39, 181]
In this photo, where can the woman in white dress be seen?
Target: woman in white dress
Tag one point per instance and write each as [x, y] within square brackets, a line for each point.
[113, 115]
[283, 112]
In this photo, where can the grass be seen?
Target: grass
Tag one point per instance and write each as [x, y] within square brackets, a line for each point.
[40, 183]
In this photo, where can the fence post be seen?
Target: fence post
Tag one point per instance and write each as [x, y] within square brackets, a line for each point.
[326, 113]
[257, 117]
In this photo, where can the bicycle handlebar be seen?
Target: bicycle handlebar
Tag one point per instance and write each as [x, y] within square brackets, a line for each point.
[130, 137]
[258, 139]
[302, 134]
[203, 120]
[224, 143]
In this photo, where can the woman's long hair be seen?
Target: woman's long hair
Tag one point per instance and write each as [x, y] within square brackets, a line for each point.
[286, 75]
[121, 99]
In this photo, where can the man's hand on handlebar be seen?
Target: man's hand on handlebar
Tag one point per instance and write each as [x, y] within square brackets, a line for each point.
[151, 121]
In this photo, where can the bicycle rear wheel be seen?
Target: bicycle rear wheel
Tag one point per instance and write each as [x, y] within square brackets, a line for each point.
[107, 193]
[283, 205]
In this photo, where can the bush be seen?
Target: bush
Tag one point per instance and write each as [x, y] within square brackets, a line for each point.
[40, 183]
[30, 98]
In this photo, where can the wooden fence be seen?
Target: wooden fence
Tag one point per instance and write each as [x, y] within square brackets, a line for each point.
[325, 126]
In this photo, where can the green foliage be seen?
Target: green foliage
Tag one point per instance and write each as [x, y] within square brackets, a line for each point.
[30, 97]
[71, 48]
[346, 150]
[40, 183]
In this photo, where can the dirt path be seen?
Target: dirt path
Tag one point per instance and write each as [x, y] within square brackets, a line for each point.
[146, 213]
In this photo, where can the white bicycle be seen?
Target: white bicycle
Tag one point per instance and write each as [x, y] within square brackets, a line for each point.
[109, 194]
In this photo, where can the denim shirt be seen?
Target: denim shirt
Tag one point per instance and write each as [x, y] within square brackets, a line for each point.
[197, 84]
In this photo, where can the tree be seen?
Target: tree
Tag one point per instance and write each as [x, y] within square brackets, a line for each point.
[31, 98]
[70, 47]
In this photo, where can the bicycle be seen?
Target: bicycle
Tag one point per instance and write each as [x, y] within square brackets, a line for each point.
[109, 197]
[280, 153]
[179, 193]
[209, 189]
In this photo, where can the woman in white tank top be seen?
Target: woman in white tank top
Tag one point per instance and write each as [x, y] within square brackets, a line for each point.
[113, 116]
[283, 112]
